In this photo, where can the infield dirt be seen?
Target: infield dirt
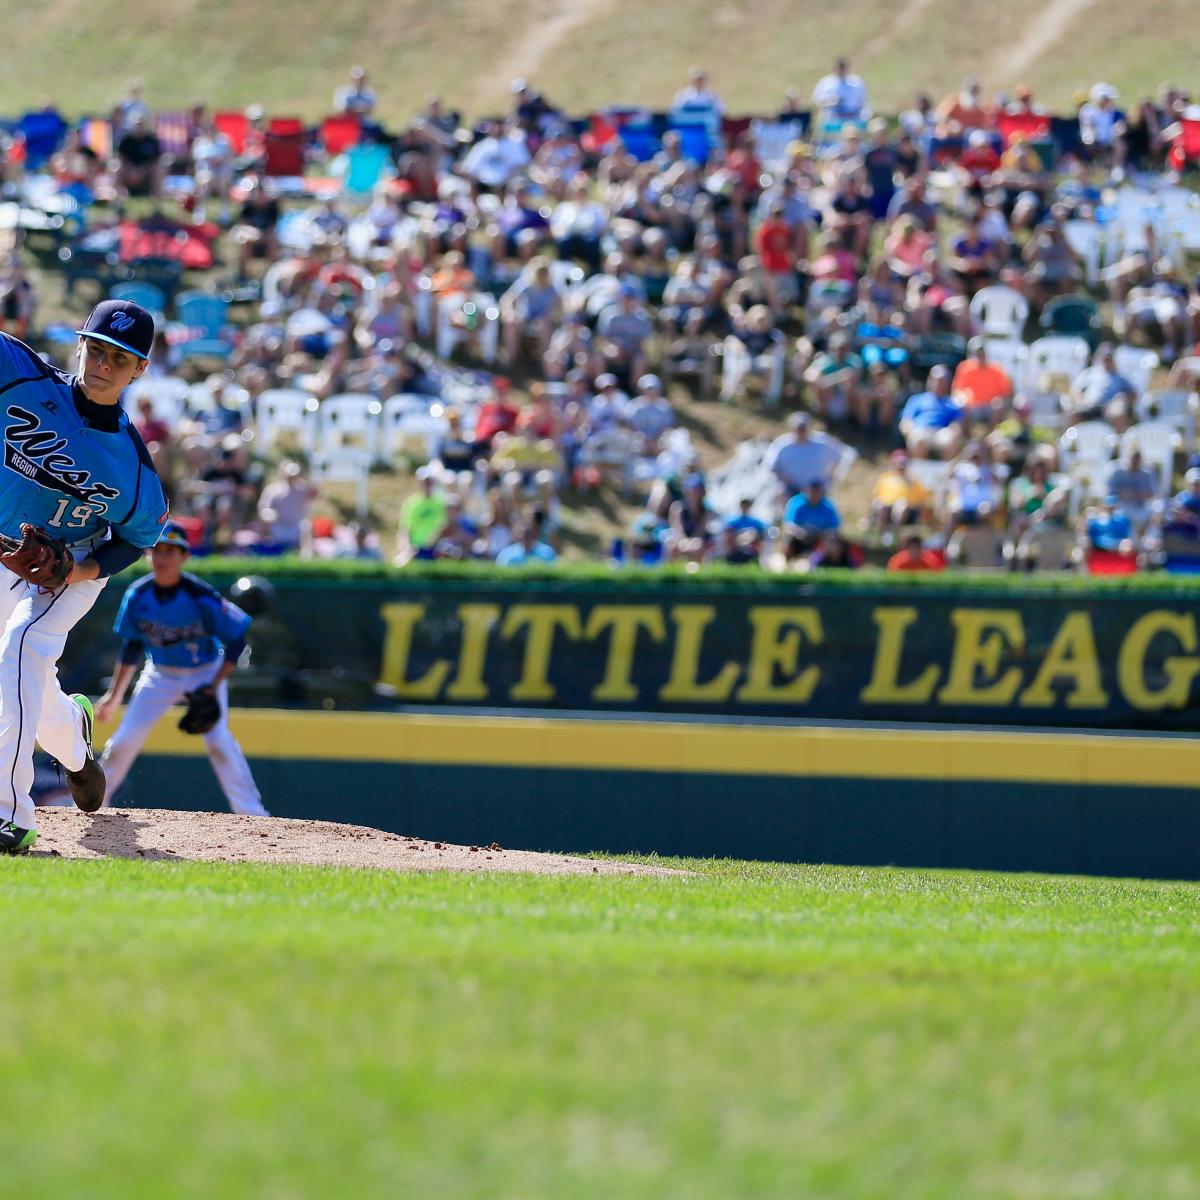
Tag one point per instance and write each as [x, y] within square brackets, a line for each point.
[222, 837]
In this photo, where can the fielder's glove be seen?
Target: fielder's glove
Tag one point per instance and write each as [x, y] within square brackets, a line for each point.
[37, 558]
[203, 710]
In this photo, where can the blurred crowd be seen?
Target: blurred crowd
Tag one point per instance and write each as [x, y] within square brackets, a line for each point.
[992, 302]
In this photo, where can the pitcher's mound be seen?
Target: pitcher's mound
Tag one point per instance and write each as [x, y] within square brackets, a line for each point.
[222, 837]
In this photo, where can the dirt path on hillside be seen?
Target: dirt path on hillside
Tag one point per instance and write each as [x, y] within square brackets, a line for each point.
[543, 37]
[906, 16]
[220, 837]
[1039, 36]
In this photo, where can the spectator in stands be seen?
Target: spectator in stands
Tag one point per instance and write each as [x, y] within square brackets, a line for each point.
[254, 233]
[1096, 386]
[912, 556]
[897, 499]
[1135, 490]
[963, 111]
[836, 377]
[650, 415]
[1101, 125]
[691, 521]
[833, 550]
[808, 515]
[931, 422]
[16, 301]
[697, 96]
[498, 157]
[1185, 505]
[624, 329]
[775, 245]
[1107, 528]
[498, 414]
[907, 248]
[531, 307]
[911, 201]
[1052, 267]
[356, 97]
[284, 507]
[803, 454]
[131, 109]
[422, 519]
[529, 546]
[974, 488]
[841, 96]
[983, 388]
[139, 159]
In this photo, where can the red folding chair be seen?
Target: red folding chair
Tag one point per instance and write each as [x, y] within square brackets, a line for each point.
[1034, 127]
[1110, 562]
[285, 126]
[284, 154]
[1186, 146]
[339, 132]
[600, 134]
[235, 125]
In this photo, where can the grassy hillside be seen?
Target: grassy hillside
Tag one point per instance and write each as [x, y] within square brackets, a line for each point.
[290, 54]
[178, 1029]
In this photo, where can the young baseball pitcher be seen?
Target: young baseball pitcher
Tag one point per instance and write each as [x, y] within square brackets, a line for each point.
[79, 501]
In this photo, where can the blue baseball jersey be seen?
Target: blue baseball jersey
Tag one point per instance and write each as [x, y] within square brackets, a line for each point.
[184, 626]
[74, 481]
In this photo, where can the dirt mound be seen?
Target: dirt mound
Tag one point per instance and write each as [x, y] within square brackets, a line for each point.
[222, 837]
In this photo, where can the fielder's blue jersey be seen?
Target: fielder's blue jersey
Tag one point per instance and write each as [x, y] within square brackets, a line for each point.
[184, 626]
[58, 472]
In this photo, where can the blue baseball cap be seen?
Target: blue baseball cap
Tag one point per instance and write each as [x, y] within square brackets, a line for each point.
[173, 534]
[123, 324]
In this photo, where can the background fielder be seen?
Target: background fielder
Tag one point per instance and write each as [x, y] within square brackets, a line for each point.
[74, 466]
[192, 639]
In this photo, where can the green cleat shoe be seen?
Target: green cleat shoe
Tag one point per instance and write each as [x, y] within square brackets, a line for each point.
[87, 784]
[15, 840]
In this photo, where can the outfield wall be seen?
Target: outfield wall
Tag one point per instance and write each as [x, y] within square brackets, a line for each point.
[1075, 802]
[843, 646]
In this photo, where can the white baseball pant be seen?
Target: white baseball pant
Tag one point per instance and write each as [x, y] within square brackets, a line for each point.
[156, 690]
[32, 702]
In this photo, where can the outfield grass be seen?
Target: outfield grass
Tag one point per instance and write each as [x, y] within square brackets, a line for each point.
[200, 1030]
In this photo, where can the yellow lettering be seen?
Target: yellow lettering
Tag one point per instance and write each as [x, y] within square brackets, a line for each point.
[771, 650]
[691, 620]
[980, 638]
[625, 620]
[1072, 656]
[477, 621]
[401, 620]
[1179, 672]
[885, 686]
[541, 621]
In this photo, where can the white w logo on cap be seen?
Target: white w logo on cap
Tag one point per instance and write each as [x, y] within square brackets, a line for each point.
[121, 321]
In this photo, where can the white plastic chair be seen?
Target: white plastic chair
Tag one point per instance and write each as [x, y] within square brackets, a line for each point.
[1000, 312]
[1056, 358]
[1157, 441]
[487, 329]
[1136, 364]
[1013, 357]
[1086, 238]
[168, 394]
[200, 399]
[1175, 406]
[934, 477]
[346, 464]
[349, 419]
[1046, 408]
[737, 363]
[1087, 442]
[410, 434]
[284, 412]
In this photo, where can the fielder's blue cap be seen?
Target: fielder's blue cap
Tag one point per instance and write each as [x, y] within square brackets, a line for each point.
[173, 534]
[121, 323]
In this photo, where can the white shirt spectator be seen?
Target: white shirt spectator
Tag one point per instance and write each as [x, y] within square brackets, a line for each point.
[578, 218]
[354, 98]
[493, 161]
[699, 99]
[797, 463]
[284, 506]
[606, 409]
[843, 97]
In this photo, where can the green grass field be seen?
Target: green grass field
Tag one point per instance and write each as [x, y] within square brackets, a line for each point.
[290, 54]
[190, 1030]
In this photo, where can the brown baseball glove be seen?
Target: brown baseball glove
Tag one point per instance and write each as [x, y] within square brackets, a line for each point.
[37, 558]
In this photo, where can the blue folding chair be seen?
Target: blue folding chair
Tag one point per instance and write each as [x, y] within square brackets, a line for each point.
[640, 141]
[151, 298]
[205, 316]
[695, 141]
[43, 133]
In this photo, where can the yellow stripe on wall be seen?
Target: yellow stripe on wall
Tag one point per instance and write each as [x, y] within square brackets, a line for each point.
[694, 746]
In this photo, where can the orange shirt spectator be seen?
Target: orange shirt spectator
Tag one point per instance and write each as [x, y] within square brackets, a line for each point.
[979, 383]
[914, 557]
[453, 276]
